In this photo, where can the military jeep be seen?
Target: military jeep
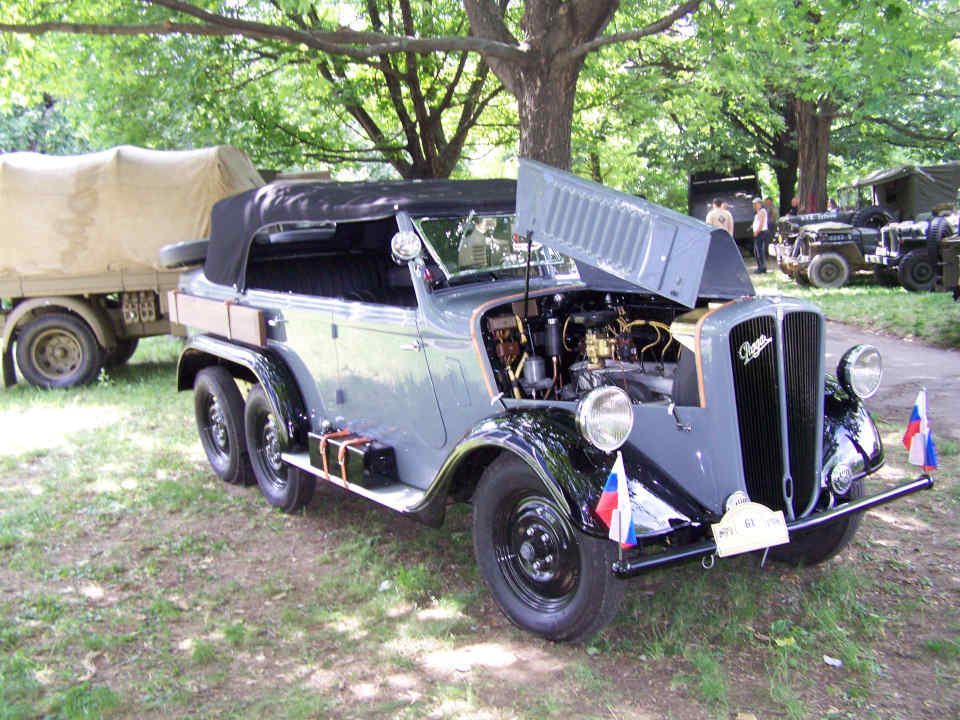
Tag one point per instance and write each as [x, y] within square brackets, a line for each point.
[530, 348]
[826, 253]
[919, 253]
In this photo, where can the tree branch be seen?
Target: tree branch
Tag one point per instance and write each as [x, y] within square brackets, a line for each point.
[654, 28]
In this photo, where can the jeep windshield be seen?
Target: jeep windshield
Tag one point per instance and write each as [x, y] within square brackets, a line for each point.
[480, 246]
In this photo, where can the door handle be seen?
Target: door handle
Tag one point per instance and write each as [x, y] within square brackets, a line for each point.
[277, 321]
[417, 345]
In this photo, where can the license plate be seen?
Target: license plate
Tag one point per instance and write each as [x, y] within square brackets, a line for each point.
[749, 526]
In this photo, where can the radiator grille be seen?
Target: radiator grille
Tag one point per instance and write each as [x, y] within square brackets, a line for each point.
[760, 399]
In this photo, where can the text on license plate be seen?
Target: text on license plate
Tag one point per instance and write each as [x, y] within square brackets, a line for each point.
[749, 526]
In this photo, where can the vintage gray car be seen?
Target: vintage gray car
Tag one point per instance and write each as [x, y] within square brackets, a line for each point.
[507, 345]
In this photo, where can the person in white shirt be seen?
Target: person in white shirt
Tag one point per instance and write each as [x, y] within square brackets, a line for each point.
[718, 217]
[760, 235]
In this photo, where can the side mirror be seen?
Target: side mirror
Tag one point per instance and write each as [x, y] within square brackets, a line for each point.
[405, 246]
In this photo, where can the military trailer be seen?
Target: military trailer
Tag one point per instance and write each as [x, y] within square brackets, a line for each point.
[533, 349]
[737, 189]
[80, 278]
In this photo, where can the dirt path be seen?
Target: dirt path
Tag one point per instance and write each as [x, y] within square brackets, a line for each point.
[907, 367]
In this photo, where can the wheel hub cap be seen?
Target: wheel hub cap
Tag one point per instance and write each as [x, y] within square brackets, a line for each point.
[57, 354]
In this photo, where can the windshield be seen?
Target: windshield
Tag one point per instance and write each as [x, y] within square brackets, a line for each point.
[466, 246]
[852, 198]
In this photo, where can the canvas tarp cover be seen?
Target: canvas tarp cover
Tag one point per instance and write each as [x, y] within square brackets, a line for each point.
[111, 210]
[927, 186]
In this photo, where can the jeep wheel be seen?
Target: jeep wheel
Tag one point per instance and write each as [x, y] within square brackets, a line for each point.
[872, 217]
[916, 272]
[284, 486]
[218, 406]
[58, 350]
[545, 575]
[828, 270]
[815, 546]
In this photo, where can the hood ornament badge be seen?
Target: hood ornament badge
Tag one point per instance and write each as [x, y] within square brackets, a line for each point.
[750, 351]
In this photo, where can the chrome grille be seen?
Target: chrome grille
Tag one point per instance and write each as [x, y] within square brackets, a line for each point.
[761, 400]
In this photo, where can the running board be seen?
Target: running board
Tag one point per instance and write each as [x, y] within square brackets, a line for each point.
[396, 496]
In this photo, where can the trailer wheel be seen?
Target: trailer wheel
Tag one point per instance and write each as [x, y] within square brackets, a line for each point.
[58, 350]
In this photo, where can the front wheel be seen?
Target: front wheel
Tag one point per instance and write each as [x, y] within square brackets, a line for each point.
[916, 272]
[284, 486]
[815, 546]
[829, 270]
[545, 575]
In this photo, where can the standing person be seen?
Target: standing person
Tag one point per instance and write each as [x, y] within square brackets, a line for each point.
[794, 206]
[760, 235]
[832, 206]
[718, 217]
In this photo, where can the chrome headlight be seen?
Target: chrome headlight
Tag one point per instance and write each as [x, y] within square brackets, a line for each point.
[860, 371]
[605, 417]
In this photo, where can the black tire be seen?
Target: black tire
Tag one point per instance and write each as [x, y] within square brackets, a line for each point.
[183, 254]
[122, 351]
[58, 350]
[284, 486]
[820, 544]
[828, 270]
[546, 576]
[938, 229]
[872, 217]
[883, 275]
[218, 406]
[916, 272]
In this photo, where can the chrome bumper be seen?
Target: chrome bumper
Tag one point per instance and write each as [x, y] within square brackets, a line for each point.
[629, 568]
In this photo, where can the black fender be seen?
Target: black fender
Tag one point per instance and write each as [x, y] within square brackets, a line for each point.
[850, 438]
[572, 471]
[254, 365]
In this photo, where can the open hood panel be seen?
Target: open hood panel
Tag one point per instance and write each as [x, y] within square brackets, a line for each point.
[626, 242]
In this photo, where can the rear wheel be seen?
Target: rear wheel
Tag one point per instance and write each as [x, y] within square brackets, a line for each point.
[218, 406]
[916, 272]
[58, 350]
[828, 270]
[820, 544]
[122, 352]
[284, 486]
[545, 575]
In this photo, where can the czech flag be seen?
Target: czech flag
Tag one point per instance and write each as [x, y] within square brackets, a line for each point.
[918, 439]
[614, 506]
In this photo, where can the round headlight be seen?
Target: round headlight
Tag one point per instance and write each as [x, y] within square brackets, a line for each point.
[605, 417]
[860, 371]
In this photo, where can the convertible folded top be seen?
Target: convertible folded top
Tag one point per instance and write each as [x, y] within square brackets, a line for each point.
[235, 220]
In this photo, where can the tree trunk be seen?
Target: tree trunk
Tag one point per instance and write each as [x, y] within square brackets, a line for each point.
[813, 141]
[786, 161]
[546, 114]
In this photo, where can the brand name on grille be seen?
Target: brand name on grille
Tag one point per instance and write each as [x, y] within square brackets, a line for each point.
[750, 351]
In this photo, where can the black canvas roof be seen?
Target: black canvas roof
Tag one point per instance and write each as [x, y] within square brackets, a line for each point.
[235, 220]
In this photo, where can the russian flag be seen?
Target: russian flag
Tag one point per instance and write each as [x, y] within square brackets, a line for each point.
[614, 506]
[918, 439]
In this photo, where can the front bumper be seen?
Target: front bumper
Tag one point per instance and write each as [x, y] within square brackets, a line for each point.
[629, 568]
[882, 256]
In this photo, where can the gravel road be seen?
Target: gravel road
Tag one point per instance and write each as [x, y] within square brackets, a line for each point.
[907, 367]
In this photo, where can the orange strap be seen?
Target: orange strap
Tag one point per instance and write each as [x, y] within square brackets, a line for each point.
[342, 455]
[323, 447]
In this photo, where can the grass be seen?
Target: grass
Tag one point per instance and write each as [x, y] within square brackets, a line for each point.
[933, 318]
[135, 584]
